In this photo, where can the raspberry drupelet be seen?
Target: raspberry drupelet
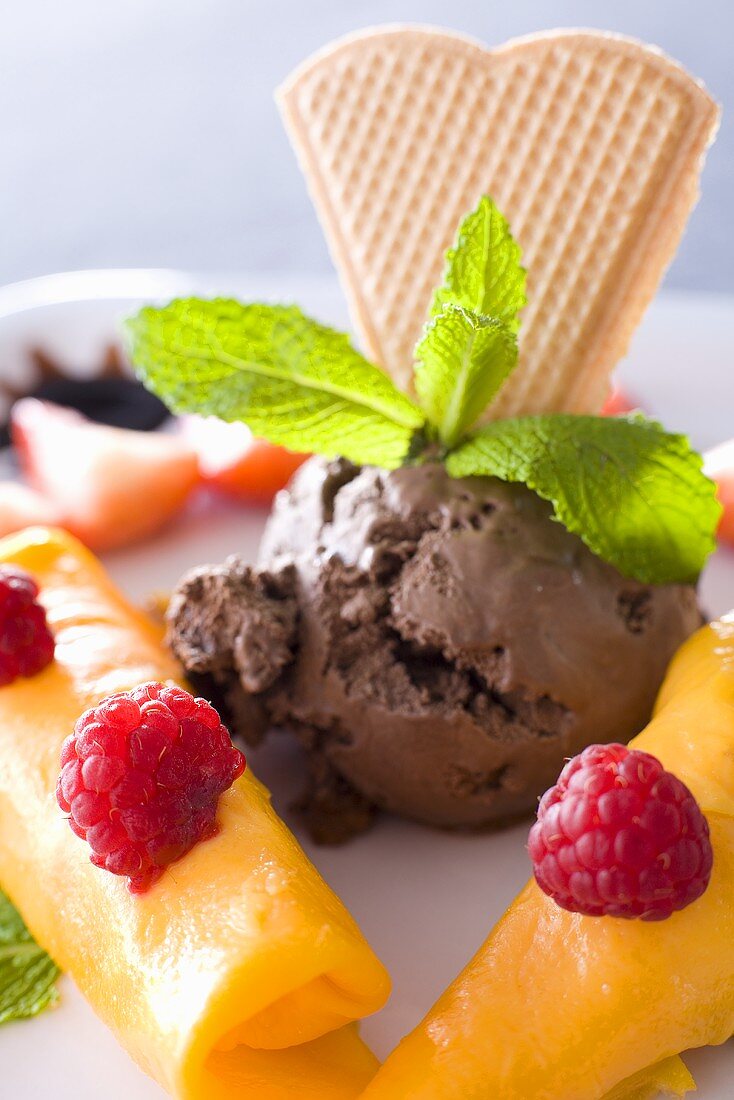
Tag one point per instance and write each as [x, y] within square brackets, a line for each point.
[619, 836]
[141, 777]
[26, 643]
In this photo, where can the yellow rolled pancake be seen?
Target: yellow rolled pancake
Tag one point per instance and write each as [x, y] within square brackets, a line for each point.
[559, 1006]
[239, 974]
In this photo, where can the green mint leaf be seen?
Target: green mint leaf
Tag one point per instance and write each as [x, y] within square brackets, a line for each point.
[483, 271]
[27, 974]
[290, 379]
[461, 362]
[634, 493]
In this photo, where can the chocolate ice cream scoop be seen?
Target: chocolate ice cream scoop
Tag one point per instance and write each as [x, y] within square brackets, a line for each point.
[438, 645]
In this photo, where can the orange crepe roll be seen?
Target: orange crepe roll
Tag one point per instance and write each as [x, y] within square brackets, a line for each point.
[560, 1006]
[239, 974]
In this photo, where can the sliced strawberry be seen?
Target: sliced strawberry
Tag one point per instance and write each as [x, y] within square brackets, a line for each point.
[618, 401]
[23, 507]
[110, 486]
[719, 465]
[232, 460]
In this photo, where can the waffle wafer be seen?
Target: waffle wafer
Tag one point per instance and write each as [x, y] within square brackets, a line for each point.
[591, 145]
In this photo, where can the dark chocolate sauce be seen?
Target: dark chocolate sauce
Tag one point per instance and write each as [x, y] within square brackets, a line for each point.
[109, 397]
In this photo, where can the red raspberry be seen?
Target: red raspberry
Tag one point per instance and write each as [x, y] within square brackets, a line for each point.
[26, 643]
[618, 836]
[141, 777]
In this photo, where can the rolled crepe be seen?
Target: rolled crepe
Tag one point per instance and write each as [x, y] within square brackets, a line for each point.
[239, 974]
[560, 1006]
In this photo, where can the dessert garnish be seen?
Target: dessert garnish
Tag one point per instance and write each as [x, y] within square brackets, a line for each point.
[297, 383]
[557, 1004]
[618, 836]
[619, 401]
[240, 972]
[398, 129]
[108, 395]
[141, 778]
[26, 643]
[434, 639]
[27, 974]
[108, 486]
[233, 462]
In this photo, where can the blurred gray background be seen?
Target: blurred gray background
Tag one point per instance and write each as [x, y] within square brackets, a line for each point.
[144, 133]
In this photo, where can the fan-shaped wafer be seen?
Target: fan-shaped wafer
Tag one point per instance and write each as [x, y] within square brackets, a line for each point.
[591, 145]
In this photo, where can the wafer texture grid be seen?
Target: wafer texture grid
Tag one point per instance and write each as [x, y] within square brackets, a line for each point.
[590, 144]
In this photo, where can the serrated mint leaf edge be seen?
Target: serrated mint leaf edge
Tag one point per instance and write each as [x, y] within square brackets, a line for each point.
[412, 416]
[444, 294]
[568, 518]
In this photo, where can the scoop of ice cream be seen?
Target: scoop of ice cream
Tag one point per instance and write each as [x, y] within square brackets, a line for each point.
[447, 643]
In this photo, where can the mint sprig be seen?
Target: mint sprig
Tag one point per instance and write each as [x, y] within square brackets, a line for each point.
[27, 974]
[633, 493]
[461, 361]
[290, 379]
[483, 270]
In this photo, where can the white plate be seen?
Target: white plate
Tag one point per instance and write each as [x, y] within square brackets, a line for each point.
[424, 899]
